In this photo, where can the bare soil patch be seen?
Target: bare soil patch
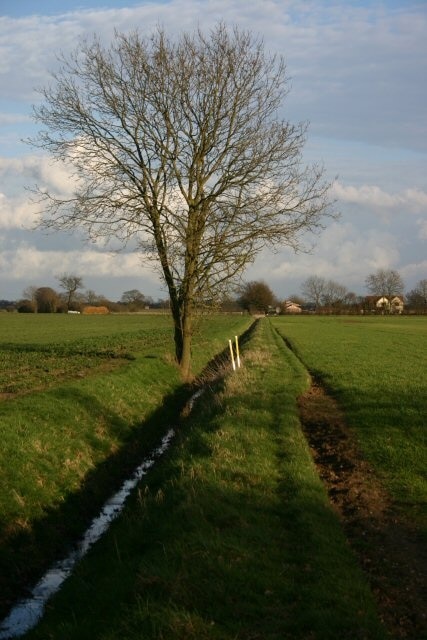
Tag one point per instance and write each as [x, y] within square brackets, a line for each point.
[390, 550]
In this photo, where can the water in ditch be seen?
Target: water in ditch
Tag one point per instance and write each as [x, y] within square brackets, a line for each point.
[27, 613]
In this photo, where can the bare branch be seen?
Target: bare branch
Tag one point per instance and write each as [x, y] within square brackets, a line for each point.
[180, 145]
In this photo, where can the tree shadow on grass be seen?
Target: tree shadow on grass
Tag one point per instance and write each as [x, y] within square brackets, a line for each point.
[211, 551]
[32, 550]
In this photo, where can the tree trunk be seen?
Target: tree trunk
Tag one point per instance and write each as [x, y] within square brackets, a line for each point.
[182, 336]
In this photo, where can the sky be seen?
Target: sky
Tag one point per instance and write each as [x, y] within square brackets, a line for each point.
[358, 76]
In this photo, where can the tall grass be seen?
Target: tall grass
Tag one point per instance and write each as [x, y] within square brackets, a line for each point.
[376, 369]
[230, 536]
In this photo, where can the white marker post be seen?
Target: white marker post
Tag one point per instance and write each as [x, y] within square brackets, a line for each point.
[232, 355]
[237, 352]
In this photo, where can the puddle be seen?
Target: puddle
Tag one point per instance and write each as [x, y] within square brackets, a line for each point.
[27, 613]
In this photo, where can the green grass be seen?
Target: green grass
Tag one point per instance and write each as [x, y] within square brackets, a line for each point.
[66, 440]
[230, 536]
[41, 350]
[376, 367]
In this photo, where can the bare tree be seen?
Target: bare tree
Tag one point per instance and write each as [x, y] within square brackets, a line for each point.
[313, 290]
[28, 302]
[334, 293]
[179, 144]
[29, 293]
[417, 297]
[352, 301]
[385, 282]
[91, 297]
[71, 284]
[421, 289]
[322, 292]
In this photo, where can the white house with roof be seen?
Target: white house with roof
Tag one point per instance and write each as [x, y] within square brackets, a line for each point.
[390, 304]
[291, 307]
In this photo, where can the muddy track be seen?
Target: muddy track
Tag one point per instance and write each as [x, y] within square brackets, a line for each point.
[390, 550]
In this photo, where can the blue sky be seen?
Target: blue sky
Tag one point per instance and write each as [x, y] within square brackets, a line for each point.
[358, 75]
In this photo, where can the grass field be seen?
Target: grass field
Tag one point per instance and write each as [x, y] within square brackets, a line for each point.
[231, 536]
[376, 367]
[42, 350]
[83, 398]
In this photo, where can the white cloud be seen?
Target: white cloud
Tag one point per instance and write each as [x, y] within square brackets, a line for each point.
[16, 213]
[40, 170]
[414, 200]
[18, 208]
[343, 59]
[27, 262]
[343, 253]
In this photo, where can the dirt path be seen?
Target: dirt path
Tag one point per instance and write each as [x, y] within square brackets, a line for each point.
[389, 549]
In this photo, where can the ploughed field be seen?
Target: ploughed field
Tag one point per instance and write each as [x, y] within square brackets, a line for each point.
[237, 532]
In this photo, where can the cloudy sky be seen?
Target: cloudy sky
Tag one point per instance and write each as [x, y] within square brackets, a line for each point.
[358, 75]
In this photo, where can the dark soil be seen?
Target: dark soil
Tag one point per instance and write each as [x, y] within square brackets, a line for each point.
[389, 548]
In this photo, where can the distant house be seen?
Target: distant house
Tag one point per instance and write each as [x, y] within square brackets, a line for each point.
[291, 307]
[396, 304]
[384, 304]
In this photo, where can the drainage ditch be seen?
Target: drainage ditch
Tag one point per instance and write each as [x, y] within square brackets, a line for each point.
[28, 612]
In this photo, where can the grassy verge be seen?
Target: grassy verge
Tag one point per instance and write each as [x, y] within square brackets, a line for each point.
[230, 536]
[376, 368]
[65, 448]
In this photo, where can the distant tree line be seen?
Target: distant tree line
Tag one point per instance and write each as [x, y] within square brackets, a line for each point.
[318, 295]
[73, 297]
[325, 296]
[322, 295]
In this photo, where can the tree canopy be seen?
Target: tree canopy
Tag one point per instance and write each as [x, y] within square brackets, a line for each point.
[257, 297]
[179, 144]
[47, 300]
